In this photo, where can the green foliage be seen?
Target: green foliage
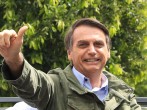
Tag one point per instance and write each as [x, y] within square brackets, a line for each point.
[48, 21]
[5, 91]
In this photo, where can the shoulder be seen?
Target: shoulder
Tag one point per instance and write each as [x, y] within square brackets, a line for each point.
[55, 71]
[59, 73]
[117, 83]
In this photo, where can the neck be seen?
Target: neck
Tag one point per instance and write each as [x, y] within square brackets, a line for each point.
[95, 79]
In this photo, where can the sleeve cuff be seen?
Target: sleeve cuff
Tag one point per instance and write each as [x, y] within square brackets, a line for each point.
[6, 72]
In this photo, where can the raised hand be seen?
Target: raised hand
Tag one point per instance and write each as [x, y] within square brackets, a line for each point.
[10, 47]
[11, 42]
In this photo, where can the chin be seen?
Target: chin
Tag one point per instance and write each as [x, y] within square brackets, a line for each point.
[93, 70]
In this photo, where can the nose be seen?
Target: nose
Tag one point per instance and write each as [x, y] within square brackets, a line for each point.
[92, 50]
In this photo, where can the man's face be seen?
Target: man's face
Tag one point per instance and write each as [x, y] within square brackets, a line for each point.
[89, 53]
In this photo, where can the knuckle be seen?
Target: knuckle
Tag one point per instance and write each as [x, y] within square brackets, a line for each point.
[6, 33]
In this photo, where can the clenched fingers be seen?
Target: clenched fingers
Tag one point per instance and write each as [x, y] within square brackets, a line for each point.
[6, 36]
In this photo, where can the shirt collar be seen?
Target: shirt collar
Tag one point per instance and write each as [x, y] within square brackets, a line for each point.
[81, 78]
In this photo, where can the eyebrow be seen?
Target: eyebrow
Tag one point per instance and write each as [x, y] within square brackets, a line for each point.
[82, 41]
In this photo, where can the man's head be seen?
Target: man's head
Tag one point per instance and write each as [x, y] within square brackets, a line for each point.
[89, 22]
[88, 46]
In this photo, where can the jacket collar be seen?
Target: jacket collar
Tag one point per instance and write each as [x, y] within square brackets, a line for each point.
[73, 82]
[118, 91]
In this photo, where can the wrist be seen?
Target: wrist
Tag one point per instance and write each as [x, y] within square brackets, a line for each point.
[17, 60]
[15, 64]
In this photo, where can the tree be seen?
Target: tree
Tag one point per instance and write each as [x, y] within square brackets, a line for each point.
[48, 21]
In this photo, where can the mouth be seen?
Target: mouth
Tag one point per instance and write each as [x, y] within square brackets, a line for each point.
[92, 60]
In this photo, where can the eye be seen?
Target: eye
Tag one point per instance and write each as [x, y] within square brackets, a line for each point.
[99, 44]
[82, 45]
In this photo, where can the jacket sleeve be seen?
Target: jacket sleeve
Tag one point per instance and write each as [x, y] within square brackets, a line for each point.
[33, 86]
[133, 104]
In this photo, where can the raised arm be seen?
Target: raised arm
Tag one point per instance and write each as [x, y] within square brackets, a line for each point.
[10, 49]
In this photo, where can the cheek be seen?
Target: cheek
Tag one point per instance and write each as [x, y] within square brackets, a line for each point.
[76, 54]
[105, 53]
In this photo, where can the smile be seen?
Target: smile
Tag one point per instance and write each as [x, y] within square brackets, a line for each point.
[92, 60]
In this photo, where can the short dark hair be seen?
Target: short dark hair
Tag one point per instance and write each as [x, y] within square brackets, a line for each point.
[89, 22]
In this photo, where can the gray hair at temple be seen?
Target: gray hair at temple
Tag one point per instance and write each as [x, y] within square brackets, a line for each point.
[89, 22]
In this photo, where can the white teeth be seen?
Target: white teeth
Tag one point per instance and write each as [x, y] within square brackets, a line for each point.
[92, 60]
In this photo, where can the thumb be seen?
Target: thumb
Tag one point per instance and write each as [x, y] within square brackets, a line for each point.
[21, 31]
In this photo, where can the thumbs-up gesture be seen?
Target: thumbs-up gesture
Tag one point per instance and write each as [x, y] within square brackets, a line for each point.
[10, 46]
[11, 42]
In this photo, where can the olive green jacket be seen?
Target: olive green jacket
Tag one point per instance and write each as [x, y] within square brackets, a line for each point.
[60, 90]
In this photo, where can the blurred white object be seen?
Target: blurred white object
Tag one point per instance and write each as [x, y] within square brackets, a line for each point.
[21, 106]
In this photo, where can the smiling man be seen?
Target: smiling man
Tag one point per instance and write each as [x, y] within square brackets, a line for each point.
[89, 52]
[82, 85]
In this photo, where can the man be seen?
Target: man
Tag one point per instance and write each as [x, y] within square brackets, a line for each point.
[82, 85]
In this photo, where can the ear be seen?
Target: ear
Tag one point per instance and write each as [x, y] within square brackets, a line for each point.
[108, 54]
[69, 55]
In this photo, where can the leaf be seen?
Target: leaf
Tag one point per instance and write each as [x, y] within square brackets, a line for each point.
[54, 2]
[116, 69]
[54, 29]
[31, 30]
[39, 3]
[112, 31]
[85, 4]
[129, 1]
[60, 25]
[37, 58]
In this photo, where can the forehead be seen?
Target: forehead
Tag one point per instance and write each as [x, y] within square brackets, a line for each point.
[84, 32]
